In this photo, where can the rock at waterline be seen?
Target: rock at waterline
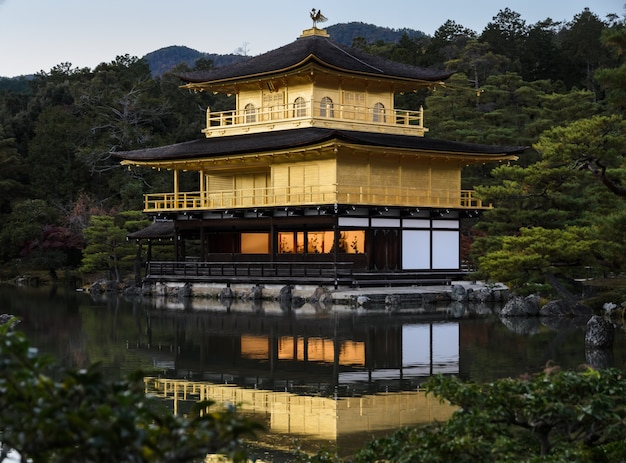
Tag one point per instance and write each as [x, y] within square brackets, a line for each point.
[600, 333]
[6, 318]
[521, 307]
[560, 308]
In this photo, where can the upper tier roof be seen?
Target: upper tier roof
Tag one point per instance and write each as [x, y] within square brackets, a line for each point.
[320, 49]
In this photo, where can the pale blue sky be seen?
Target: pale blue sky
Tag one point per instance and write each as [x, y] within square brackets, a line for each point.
[37, 35]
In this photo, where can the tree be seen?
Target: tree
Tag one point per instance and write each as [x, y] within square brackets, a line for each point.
[538, 255]
[447, 42]
[552, 416]
[107, 249]
[506, 35]
[54, 414]
[13, 173]
[581, 45]
[613, 79]
[540, 57]
[596, 145]
[553, 198]
[24, 225]
[56, 173]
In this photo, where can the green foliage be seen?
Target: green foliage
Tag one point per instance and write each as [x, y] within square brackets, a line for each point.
[574, 192]
[107, 250]
[554, 416]
[537, 252]
[613, 79]
[12, 172]
[53, 414]
[24, 225]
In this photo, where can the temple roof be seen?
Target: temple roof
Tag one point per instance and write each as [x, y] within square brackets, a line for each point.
[300, 138]
[159, 229]
[319, 49]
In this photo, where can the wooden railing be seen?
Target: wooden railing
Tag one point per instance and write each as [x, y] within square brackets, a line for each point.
[315, 109]
[311, 195]
[282, 272]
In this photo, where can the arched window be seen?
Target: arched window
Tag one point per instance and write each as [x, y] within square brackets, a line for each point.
[250, 113]
[326, 107]
[299, 107]
[379, 113]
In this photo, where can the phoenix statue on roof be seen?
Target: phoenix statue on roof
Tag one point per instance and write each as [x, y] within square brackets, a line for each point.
[317, 17]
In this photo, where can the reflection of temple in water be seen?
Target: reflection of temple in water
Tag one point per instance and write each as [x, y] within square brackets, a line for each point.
[345, 421]
[327, 354]
[338, 377]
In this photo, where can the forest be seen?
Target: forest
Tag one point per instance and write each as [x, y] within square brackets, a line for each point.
[558, 87]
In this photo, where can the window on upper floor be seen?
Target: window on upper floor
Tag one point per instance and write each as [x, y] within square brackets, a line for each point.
[354, 105]
[299, 107]
[326, 107]
[250, 113]
[274, 104]
[379, 113]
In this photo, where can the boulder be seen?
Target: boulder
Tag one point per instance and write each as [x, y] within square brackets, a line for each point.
[599, 334]
[185, 291]
[392, 302]
[285, 294]
[482, 295]
[226, 294]
[285, 298]
[458, 293]
[562, 308]
[521, 307]
[255, 294]
[6, 318]
[321, 295]
[599, 359]
[321, 299]
[297, 302]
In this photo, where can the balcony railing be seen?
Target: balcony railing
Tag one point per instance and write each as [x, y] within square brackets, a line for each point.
[309, 196]
[295, 115]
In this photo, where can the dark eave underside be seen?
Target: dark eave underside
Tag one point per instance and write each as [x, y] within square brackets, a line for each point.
[163, 229]
[319, 49]
[301, 138]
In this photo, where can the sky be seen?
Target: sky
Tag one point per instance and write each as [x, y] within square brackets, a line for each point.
[37, 35]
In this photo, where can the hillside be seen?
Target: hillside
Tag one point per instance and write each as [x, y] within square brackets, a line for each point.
[165, 59]
[345, 33]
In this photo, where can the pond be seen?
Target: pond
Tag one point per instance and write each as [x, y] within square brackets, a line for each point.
[322, 377]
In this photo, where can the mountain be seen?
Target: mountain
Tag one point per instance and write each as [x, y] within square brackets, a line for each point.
[345, 33]
[164, 59]
[15, 85]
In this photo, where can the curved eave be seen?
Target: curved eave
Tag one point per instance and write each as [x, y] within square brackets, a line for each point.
[296, 139]
[193, 164]
[314, 64]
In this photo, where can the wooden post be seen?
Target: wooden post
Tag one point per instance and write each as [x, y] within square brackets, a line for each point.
[176, 205]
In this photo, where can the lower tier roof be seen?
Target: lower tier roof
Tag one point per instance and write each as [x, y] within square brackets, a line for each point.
[301, 138]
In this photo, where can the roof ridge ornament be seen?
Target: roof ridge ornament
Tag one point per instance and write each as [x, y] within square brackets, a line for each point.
[317, 17]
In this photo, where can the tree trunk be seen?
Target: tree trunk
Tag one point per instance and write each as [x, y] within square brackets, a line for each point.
[562, 291]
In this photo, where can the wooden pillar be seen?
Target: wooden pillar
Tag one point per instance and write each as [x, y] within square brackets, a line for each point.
[337, 237]
[202, 189]
[176, 188]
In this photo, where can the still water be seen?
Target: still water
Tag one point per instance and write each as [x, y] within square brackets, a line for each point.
[331, 376]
